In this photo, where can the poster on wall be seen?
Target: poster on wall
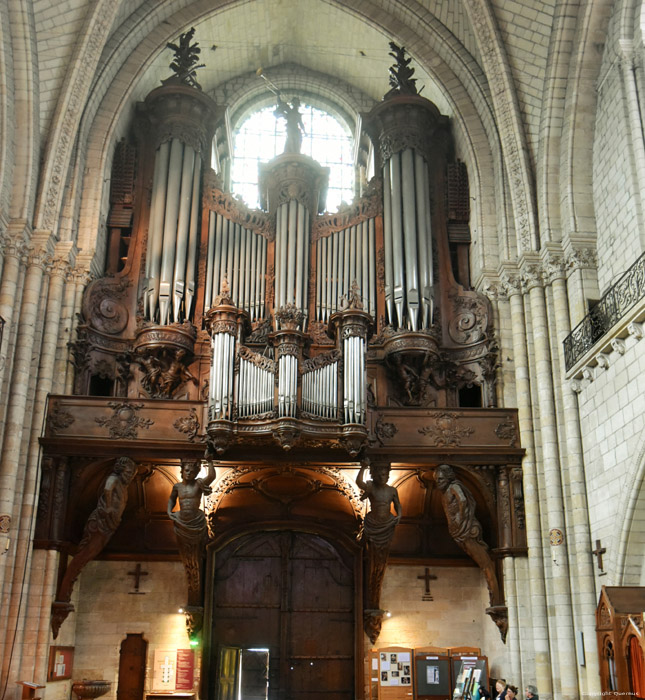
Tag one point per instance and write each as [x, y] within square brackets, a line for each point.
[165, 670]
[185, 669]
[60, 663]
[395, 668]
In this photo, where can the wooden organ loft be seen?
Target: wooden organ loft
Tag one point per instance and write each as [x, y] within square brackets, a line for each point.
[294, 342]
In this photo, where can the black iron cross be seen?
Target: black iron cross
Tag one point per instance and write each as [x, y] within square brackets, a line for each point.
[137, 573]
[427, 577]
[598, 552]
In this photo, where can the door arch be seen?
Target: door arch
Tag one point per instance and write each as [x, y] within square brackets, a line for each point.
[294, 594]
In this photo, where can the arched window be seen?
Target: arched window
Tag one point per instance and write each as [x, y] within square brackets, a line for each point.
[261, 136]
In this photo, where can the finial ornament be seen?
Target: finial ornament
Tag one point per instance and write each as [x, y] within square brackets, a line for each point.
[401, 74]
[183, 65]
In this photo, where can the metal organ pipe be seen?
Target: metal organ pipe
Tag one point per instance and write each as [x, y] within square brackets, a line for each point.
[170, 231]
[193, 240]
[387, 243]
[410, 237]
[407, 240]
[341, 258]
[424, 239]
[183, 225]
[171, 254]
[155, 236]
[239, 254]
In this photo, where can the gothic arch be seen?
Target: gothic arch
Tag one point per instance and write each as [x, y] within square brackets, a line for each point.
[630, 542]
[477, 133]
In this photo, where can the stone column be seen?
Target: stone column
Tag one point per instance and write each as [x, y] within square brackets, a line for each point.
[537, 590]
[583, 580]
[18, 399]
[562, 620]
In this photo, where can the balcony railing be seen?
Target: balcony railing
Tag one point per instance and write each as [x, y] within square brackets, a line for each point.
[620, 298]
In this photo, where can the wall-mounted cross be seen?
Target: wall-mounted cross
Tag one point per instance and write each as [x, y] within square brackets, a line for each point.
[598, 552]
[137, 573]
[427, 577]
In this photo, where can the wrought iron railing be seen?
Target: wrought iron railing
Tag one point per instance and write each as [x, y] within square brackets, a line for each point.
[620, 298]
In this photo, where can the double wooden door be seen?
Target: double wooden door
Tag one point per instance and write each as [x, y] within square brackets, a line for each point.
[291, 594]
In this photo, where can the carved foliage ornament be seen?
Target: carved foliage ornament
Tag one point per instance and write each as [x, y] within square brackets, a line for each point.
[236, 211]
[124, 421]
[445, 432]
[188, 424]
[58, 418]
[367, 207]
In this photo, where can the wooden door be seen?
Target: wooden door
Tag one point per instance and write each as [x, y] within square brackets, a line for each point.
[292, 594]
[132, 667]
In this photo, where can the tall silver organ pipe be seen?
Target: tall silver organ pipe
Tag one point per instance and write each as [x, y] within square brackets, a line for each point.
[220, 403]
[320, 386]
[342, 258]
[255, 384]
[171, 253]
[287, 386]
[292, 255]
[407, 241]
[239, 255]
[354, 382]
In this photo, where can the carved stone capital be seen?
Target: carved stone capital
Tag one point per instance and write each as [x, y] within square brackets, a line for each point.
[582, 259]
[532, 275]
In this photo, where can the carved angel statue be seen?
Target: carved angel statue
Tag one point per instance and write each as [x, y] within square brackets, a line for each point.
[186, 56]
[295, 127]
[459, 506]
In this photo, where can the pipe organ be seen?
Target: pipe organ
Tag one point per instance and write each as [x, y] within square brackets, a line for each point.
[259, 331]
[289, 322]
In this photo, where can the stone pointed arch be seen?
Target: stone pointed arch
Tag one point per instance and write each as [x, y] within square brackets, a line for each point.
[131, 49]
[628, 563]
[512, 136]
[21, 174]
[69, 110]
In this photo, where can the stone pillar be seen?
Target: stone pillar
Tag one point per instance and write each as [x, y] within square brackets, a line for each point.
[15, 541]
[562, 614]
[583, 580]
[537, 589]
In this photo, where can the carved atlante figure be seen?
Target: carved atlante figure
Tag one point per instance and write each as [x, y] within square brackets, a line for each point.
[377, 533]
[190, 522]
[459, 507]
[99, 528]
[379, 523]
[295, 127]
